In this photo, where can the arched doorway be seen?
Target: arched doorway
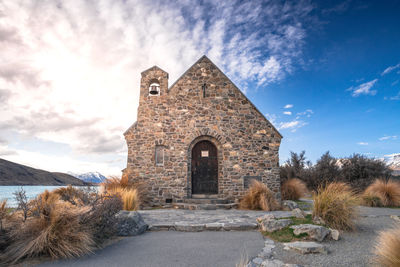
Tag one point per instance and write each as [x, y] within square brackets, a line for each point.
[204, 168]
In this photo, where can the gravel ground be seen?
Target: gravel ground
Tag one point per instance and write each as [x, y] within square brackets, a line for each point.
[353, 249]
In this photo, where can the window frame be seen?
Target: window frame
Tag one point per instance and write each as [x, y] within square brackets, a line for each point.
[157, 150]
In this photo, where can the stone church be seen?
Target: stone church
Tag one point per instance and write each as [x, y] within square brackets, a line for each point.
[201, 137]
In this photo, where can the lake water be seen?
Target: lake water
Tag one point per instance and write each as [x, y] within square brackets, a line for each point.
[6, 192]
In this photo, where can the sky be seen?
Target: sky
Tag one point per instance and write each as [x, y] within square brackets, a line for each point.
[325, 73]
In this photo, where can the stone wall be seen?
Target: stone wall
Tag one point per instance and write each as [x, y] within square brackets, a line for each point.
[179, 117]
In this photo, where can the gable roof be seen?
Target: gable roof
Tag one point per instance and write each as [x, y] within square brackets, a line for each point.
[155, 67]
[204, 57]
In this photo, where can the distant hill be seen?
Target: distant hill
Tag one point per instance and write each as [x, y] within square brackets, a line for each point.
[16, 174]
[90, 177]
[393, 162]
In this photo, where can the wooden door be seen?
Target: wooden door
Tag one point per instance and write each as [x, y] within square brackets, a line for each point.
[204, 168]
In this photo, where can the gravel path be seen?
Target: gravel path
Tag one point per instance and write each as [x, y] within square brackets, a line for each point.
[353, 249]
[173, 249]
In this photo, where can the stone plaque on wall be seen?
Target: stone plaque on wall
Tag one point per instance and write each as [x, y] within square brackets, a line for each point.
[247, 180]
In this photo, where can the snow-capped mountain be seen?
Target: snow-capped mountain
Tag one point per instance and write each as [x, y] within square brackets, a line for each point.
[90, 177]
[393, 161]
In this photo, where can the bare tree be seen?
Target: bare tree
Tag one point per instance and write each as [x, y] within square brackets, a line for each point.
[22, 200]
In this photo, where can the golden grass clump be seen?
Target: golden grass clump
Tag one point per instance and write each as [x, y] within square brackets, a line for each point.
[335, 204]
[3, 212]
[293, 189]
[259, 197]
[388, 192]
[53, 230]
[387, 250]
[130, 198]
[371, 200]
[131, 192]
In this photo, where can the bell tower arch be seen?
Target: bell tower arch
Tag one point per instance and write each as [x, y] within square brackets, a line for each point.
[153, 83]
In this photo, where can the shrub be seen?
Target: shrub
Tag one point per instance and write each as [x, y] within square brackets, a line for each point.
[54, 230]
[100, 220]
[259, 197]
[388, 192]
[336, 204]
[22, 200]
[387, 249]
[293, 189]
[75, 196]
[371, 200]
[357, 170]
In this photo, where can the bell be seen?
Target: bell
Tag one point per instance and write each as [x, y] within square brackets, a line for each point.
[154, 90]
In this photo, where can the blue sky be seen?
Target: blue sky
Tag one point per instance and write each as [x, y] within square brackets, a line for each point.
[326, 73]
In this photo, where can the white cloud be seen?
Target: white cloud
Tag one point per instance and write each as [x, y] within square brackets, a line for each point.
[288, 106]
[287, 112]
[70, 71]
[272, 118]
[307, 113]
[292, 125]
[362, 143]
[388, 137]
[396, 97]
[390, 69]
[364, 89]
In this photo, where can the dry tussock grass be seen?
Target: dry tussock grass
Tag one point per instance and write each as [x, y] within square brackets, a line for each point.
[53, 230]
[131, 193]
[293, 189]
[387, 191]
[387, 250]
[259, 197]
[336, 204]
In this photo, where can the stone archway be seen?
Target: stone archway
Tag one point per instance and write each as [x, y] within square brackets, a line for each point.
[212, 165]
[204, 169]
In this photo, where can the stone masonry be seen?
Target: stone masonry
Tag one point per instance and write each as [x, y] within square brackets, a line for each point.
[203, 104]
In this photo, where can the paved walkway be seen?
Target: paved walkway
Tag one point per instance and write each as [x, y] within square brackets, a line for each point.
[205, 220]
[173, 249]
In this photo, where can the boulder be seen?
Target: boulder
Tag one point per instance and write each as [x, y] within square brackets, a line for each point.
[395, 217]
[334, 234]
[272, 225]
[265, 218]
[318, 220]
[130, 223]
[305, 247]
[298, 213]
[315, 232]
[291, 205]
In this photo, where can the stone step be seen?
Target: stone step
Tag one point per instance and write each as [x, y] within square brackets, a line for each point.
[206, 201]
[191, 206]
[205, 196]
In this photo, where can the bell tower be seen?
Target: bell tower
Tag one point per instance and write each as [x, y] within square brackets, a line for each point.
[153, 84]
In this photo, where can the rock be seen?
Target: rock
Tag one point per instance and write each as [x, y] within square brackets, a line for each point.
[189, 227]
[306, 247]
[395, 217]
[130, 223]
[315, 232]
[265, 218]
[291, 205]
[318, 220]
[298, 213]
[334, 234]
[272, 225]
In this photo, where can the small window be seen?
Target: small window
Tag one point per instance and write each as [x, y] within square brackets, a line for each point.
[159, 156]
[154, 89]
